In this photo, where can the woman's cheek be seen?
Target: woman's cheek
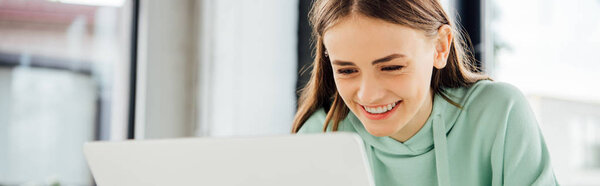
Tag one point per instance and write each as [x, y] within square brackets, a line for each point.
[345, 89]
[401, 86]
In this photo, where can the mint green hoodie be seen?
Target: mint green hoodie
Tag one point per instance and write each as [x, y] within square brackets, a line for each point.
[493, 140]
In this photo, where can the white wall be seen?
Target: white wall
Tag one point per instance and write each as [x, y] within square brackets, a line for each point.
[247, 68]
[216, 68]
[166, 59]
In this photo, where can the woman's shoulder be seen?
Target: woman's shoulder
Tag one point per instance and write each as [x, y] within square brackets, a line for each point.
[495, 89]
[497, 102]
[487, 93]
[491, 100]
[314, 124]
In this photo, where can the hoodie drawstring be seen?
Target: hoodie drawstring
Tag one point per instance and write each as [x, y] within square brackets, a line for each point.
[441, 151]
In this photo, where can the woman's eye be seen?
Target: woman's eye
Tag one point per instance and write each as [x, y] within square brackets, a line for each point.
[392, 68]
[347, 71]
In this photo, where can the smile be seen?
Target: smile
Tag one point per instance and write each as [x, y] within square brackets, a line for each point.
[381, 111]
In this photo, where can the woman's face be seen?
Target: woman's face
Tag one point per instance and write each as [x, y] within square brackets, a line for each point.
[383, 73]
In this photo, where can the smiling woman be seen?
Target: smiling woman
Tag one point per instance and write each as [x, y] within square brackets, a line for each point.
[397, 73]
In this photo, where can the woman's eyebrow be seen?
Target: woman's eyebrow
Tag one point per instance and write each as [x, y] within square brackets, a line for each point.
[388, 58]
[343, 63]
[380, 60]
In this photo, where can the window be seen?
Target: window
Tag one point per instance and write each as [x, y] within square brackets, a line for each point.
[64, 73]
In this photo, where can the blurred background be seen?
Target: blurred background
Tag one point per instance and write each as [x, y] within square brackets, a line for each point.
[73, 71]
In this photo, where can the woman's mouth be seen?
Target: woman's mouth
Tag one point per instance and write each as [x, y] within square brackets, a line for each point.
[381, 111]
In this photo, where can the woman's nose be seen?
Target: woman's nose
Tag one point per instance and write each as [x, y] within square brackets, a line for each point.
[370, 91]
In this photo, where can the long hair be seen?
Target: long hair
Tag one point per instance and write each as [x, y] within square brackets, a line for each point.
[425, 15]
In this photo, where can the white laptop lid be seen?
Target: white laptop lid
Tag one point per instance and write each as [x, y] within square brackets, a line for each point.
[302, 160]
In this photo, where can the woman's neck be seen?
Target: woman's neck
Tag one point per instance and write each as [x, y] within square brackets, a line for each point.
[417, 122]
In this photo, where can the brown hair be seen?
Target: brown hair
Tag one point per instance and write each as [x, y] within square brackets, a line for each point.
[425, 15]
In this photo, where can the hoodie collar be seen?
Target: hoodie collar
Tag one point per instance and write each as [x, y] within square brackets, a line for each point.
[433, 135]
[423, 140]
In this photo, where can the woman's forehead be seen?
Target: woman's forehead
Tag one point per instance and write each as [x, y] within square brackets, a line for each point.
[363, 38]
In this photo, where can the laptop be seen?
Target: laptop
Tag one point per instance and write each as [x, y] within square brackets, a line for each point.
[295, 160]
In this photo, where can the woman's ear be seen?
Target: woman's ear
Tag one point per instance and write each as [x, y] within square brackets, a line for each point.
[442, 46]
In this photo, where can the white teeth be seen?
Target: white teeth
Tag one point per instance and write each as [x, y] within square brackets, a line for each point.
[379, 110]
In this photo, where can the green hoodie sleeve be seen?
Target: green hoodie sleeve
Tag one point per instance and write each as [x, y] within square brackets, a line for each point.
[526, 159]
